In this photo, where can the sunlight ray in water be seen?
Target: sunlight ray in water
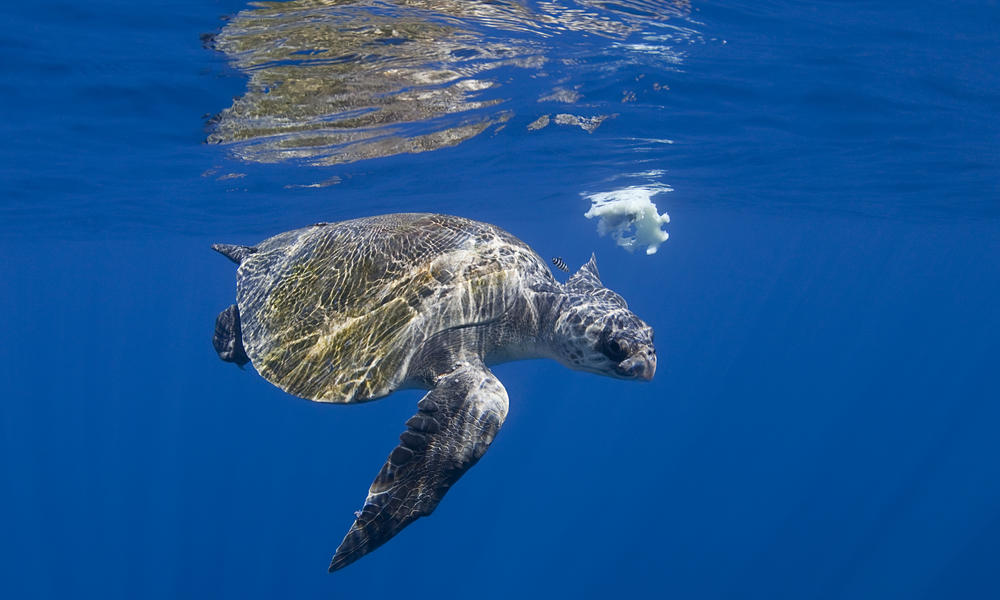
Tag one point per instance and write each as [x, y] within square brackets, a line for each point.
[336, 81]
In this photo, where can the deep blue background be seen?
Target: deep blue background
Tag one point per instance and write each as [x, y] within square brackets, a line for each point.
[823, 423]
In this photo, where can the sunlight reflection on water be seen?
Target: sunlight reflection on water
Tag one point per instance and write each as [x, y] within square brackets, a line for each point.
[335, 81]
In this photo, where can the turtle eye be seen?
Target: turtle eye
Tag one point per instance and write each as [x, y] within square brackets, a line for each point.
[616, 349]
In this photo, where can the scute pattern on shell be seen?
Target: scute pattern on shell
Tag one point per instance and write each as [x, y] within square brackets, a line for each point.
[336, 312]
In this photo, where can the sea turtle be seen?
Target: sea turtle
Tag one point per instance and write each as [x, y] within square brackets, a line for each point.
[351, 311]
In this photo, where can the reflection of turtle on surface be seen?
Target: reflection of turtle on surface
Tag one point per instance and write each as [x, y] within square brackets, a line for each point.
[351, 311]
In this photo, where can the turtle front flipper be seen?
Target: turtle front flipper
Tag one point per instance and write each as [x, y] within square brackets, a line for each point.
[455, 424]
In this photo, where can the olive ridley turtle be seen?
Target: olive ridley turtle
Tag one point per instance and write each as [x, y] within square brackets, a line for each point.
[352, 311]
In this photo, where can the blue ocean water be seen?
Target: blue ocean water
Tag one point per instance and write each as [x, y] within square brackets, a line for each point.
[823, 420]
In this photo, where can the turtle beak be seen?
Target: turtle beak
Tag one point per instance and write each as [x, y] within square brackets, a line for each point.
[641, 365]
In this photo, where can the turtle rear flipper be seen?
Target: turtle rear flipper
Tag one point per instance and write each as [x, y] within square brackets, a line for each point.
[234, 252]
[228, 339]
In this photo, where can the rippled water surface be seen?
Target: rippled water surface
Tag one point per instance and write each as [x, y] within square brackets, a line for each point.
[334, 82]
[822, 421]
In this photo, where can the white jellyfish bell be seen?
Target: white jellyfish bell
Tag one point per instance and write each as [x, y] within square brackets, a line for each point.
[630, 217]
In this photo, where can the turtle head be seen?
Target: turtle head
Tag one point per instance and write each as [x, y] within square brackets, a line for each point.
[595, 331]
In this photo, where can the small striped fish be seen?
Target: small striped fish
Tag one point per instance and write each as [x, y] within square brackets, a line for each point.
[560, 263]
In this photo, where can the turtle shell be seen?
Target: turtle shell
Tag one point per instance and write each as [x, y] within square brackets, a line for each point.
[336, 312]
